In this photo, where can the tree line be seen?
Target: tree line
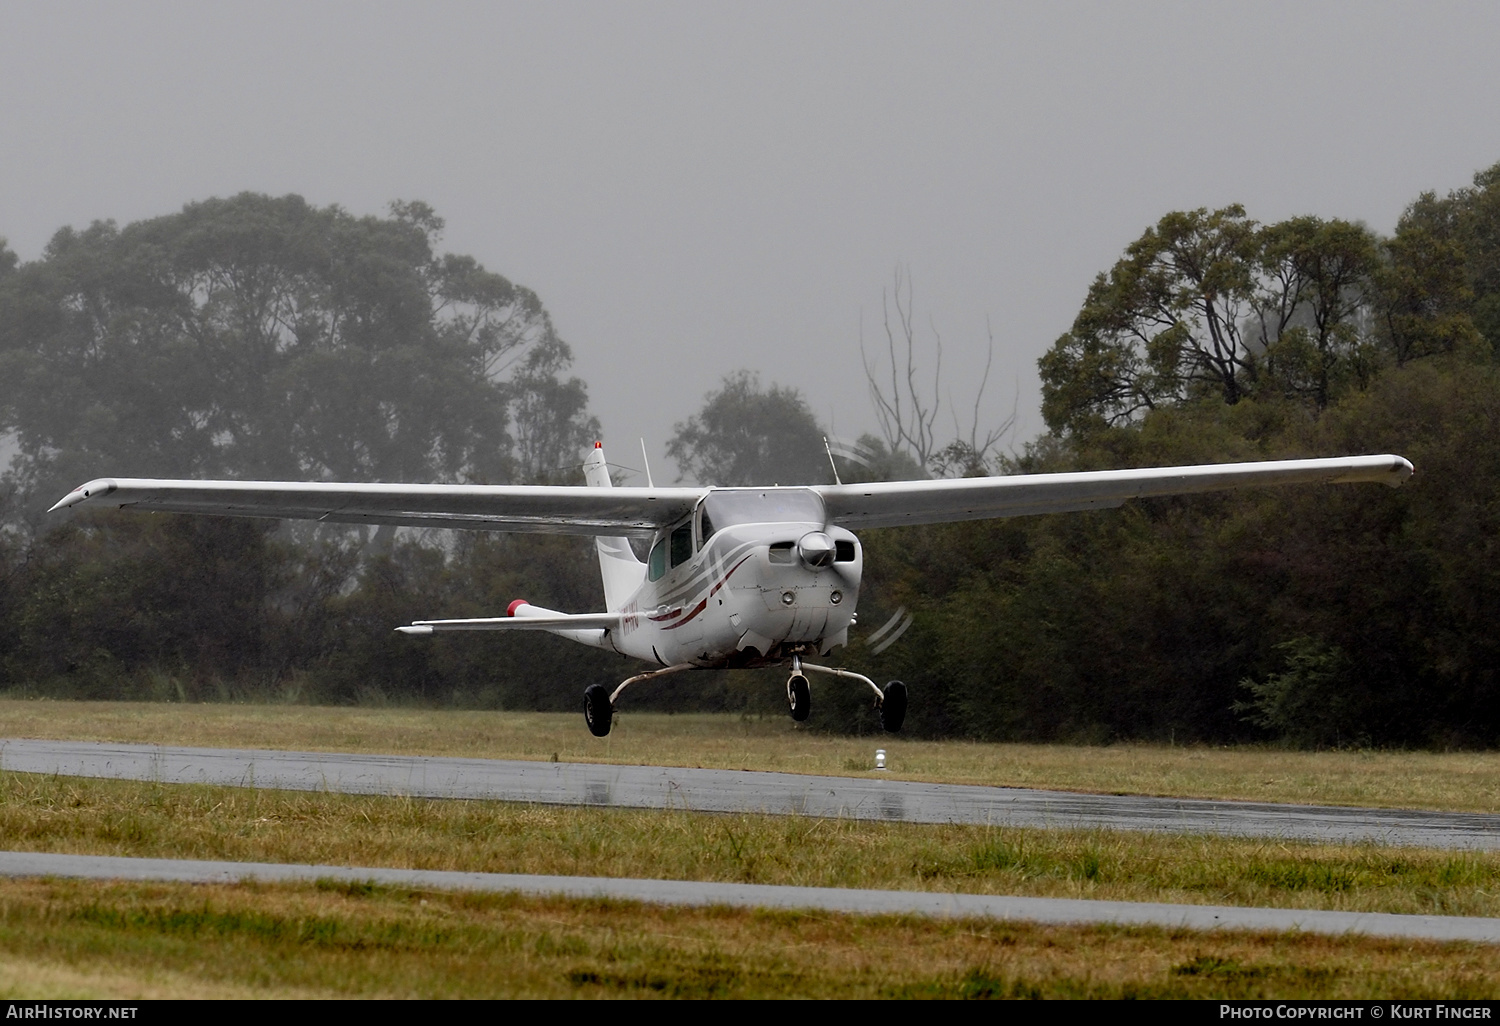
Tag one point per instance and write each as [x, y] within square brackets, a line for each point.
[1316, 617]
[263, 337]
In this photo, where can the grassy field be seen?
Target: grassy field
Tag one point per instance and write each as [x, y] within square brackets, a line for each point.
[107, 817]
[109, 940]
[83, 938]
[98, 939]
[1466, 781]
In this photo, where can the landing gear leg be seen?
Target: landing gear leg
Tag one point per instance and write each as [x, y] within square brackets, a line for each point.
[599, 701]
[891, 702]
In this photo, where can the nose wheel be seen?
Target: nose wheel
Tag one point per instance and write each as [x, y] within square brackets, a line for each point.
[798, 696]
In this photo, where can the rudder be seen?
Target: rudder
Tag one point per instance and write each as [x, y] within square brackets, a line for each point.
[621, 569]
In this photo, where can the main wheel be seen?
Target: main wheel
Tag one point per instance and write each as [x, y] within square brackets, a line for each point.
[798, 697]
[597, 712]
[893, 706]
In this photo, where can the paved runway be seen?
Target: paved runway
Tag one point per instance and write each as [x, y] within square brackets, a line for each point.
[833, 899]
[654, 787]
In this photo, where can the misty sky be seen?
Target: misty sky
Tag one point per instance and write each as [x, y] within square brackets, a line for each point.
[693, 188]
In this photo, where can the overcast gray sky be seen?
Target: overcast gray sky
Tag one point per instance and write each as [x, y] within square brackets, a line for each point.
[697, 187]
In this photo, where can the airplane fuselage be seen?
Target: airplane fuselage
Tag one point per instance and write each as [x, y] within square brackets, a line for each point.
[743, 597]
[751, 576]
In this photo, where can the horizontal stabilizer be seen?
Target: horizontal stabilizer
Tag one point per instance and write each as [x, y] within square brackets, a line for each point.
[554, 622]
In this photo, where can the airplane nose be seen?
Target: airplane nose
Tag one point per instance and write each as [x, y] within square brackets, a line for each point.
[816, 550]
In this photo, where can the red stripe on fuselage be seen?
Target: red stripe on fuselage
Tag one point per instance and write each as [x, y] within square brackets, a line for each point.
[703, 604]
[696, 610]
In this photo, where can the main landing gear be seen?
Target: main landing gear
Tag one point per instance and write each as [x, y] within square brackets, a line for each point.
[599, 701]
[891, 702]
[893, 706]
[598, 710]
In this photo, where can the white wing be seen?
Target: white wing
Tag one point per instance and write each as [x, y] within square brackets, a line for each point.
[521, 508]
[892, 503]
[641, 511]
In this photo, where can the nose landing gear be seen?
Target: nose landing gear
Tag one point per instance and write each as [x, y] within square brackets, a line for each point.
[798, 696]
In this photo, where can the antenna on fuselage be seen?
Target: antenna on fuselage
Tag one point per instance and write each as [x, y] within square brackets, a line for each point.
[829, 451]
[649, 482]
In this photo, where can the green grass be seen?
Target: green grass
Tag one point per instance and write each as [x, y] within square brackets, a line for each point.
[1464, 781]
[116, 940]
[105, 817]
[100, 939]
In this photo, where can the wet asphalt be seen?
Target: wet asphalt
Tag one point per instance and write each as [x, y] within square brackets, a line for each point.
[736, 791]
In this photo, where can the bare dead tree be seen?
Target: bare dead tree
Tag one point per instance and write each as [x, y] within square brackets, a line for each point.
[973, 456]
[905, 410]
[906, 417]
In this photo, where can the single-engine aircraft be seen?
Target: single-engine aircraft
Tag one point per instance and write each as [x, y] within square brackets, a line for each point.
[735, 577]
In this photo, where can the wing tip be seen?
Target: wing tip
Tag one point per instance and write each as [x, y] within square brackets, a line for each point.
[97, 487]
[1402, 471]
[1393, 473]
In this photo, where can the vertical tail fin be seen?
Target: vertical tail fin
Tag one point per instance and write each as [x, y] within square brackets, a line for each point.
[621, 570]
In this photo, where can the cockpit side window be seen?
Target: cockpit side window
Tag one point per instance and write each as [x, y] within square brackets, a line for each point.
[682, 544]
[657, 564]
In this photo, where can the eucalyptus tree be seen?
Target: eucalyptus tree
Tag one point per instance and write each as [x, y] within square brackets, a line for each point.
[749, 435]
[1441, 282]
[261, 336]
[1213, 304]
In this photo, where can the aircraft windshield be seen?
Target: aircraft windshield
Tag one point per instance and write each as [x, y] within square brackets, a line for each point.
[726, 506]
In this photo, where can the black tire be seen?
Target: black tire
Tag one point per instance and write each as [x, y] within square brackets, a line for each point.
[597, 712]
[893, 706]
[798, 697]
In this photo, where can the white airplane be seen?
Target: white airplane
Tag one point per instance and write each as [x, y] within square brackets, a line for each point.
[736, 577]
